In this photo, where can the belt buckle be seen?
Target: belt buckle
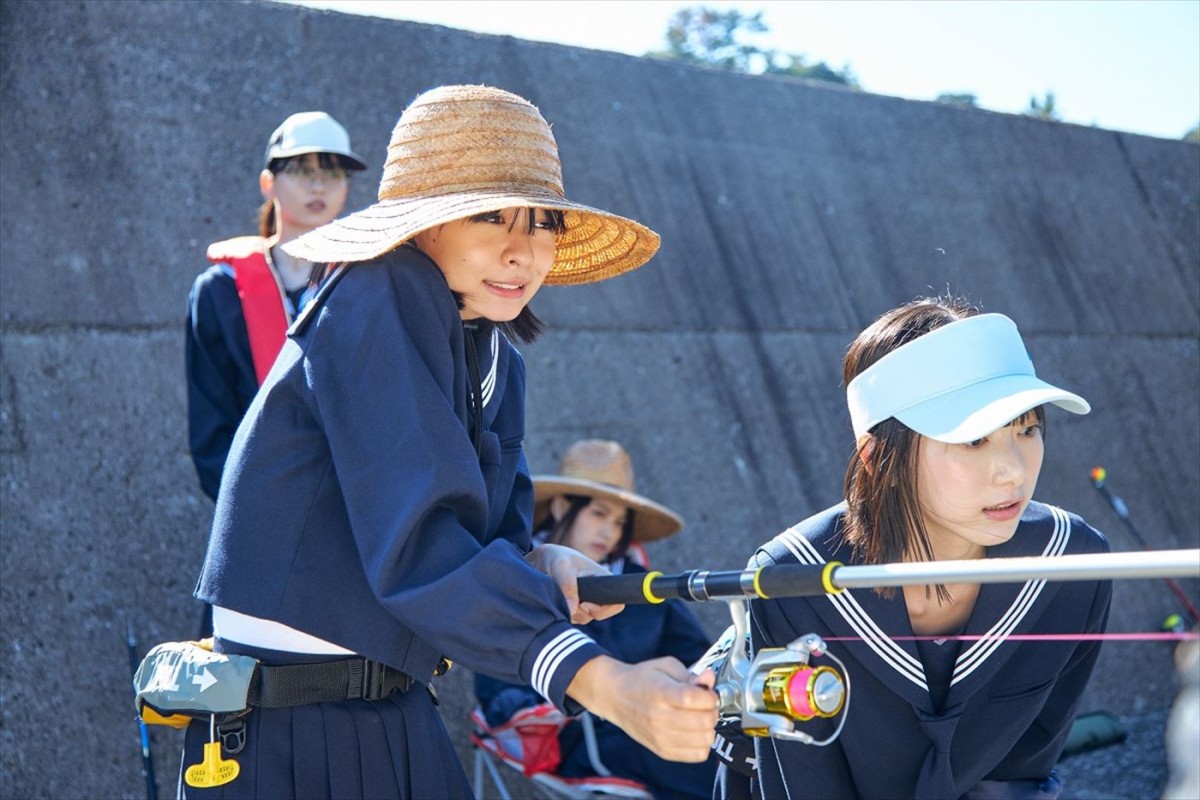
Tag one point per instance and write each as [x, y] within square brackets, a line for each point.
[373, 680]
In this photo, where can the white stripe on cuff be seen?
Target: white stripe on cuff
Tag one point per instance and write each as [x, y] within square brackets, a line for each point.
[552, 656]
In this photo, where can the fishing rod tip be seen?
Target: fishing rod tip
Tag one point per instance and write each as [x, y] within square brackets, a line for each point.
[1098, 475]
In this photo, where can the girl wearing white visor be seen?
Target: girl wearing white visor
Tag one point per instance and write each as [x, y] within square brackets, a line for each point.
[950, 700]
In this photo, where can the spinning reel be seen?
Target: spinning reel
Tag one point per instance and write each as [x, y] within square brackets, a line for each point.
[780, 687]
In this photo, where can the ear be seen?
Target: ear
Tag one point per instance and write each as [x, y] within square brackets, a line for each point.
[865, 447]
[266, 184]
[559, 506]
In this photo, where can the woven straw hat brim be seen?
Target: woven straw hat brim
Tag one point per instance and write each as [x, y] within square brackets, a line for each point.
[596, 245]
[652, 521]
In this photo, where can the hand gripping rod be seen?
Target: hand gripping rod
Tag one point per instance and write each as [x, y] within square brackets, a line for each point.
[806, 580]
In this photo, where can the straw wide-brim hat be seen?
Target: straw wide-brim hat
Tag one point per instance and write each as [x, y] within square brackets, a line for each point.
[600, 468]
[458, 151]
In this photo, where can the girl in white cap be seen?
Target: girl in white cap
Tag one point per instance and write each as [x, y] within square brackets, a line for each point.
[374, 516]
[949, 417]
[591, 506]
[239, 308]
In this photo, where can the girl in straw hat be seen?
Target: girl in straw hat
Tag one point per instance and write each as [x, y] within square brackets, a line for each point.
[949, 417]
[240, 307]
[591, 506]
[374, 516]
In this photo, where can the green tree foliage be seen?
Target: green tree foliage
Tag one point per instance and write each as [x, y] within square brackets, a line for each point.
[1193, 135]
[1043, 109]
[964, 99]
[702, 35]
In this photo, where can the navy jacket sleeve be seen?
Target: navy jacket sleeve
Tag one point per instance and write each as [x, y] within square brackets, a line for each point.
[639, 633]
[220, 374]
[391, 404]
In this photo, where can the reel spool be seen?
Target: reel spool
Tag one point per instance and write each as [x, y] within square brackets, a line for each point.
[802, 693]
[780, 687]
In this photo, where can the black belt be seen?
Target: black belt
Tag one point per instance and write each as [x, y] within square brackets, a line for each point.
[325, 682]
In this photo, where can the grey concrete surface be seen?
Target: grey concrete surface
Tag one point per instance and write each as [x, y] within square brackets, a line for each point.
[791, 214]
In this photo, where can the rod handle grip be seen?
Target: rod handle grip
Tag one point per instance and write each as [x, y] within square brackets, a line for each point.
[616, 589]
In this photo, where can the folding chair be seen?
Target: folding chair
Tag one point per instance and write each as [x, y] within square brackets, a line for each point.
[529, 743]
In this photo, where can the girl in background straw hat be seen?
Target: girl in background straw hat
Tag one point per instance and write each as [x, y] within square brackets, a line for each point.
[239, 308]
[374, 518]
[949, 418]
[591, 506]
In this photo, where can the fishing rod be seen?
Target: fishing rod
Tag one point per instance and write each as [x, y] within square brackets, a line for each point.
[1098, 476]
[780, 687]
[147, 757]
[809, 580]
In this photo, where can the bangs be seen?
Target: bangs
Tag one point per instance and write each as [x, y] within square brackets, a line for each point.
[324, 161]
[1034, 416]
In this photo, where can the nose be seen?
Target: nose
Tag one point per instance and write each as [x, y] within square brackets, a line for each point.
[1009, 466]
[611, 531]
[518, 246]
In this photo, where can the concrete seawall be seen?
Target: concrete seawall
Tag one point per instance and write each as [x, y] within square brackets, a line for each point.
[791, 213]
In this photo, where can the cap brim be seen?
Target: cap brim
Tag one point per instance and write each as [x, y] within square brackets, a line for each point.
[975, 411]
[597, 244]
[303, 151]
[651, 520]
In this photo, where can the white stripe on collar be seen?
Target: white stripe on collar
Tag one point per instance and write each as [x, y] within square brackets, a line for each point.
[884, 646]
[488, 385]
[978, 652]
[892, 653]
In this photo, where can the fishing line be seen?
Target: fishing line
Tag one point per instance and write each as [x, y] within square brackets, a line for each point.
[1186, 636]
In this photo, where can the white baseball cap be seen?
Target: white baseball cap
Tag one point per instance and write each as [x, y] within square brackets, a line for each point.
[311, 132]
[955, 384]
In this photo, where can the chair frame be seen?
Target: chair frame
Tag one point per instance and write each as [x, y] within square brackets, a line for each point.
[489, 749]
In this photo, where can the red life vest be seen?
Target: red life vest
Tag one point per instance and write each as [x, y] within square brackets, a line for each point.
[262, 296]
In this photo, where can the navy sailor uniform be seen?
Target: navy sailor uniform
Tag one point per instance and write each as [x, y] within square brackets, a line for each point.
[221, 381]
[356, 507]
[1005, 707]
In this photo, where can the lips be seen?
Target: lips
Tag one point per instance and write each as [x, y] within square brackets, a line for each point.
[316, 206]
[1005, 511]
[506, 289]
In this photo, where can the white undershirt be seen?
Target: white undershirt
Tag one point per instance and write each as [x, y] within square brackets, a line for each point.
[257, 632]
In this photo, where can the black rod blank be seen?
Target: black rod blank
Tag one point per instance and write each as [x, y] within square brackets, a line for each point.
[807, 580]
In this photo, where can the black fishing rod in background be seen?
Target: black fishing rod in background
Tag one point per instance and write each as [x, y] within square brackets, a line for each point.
[147, 756]
[1098, 476]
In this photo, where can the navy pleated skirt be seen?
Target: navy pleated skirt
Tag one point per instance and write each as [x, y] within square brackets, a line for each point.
[396, 747]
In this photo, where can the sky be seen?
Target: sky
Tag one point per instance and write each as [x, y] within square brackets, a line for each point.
[1129, 65]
